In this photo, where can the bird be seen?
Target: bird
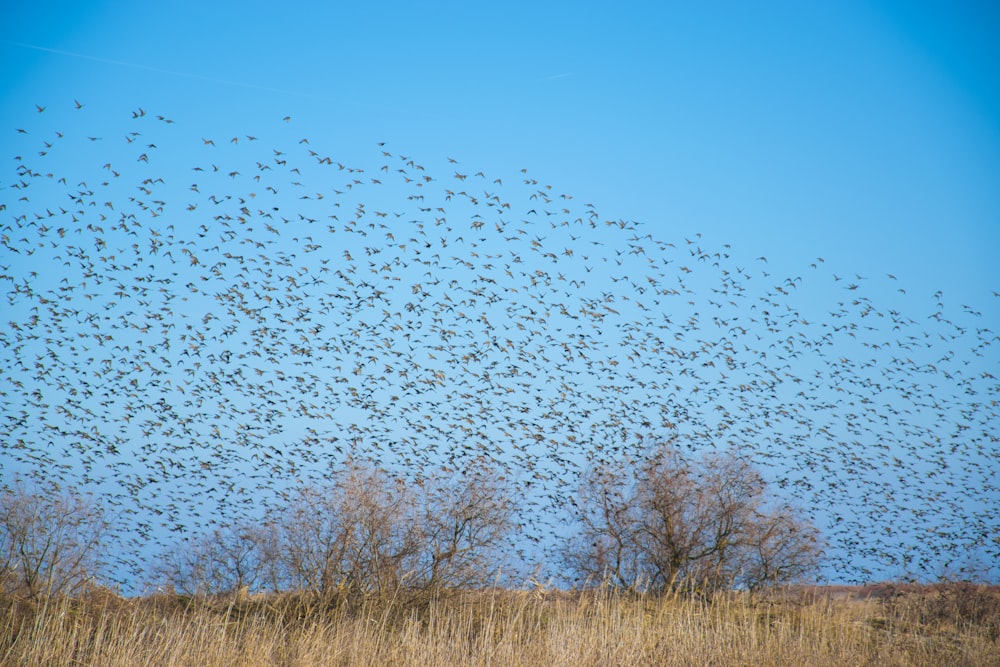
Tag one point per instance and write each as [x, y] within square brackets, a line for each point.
[277, 314]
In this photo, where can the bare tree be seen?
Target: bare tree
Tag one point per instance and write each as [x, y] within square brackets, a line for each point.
[50, 541]
[371, 533]
[364, 533]
[381, 517]
[464, 522]
[355, 533]
[605, 546]
[312, 541]
[700, 524]
[784, 548]
[228, 560]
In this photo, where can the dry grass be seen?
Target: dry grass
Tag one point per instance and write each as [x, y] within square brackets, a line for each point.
[950, 625]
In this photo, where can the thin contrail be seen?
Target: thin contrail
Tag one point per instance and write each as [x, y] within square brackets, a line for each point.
[159, 70]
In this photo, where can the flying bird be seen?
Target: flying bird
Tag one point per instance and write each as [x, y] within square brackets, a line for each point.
[260, 319]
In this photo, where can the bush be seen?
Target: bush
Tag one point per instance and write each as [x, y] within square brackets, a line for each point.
[675, 523]
[228, 559]
[50, 542]
[365, 533]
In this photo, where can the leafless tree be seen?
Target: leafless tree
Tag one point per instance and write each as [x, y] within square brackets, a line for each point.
[463, 525]
[676, 522]
[50, 540]
[227, 560]
[605, 545]
[364, 533]
[355, 533]
[371, 533]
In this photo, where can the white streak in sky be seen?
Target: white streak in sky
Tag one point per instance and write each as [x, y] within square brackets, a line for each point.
[159, 70]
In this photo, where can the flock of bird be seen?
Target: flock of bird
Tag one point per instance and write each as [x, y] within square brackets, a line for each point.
[193, 325]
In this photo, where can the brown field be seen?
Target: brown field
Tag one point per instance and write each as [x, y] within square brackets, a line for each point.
[947, 624]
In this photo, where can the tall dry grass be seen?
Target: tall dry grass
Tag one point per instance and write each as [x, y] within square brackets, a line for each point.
[497, 627]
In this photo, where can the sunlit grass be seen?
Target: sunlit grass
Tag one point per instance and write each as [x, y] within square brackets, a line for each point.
[944, 626]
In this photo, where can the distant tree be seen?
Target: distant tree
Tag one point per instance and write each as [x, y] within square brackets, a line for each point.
[371, 533]
[50, 541]
[673, 523]
[464, 524]
[355, 534]
[363, 533]
[227, 560]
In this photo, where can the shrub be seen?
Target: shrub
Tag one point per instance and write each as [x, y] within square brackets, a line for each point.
[675, 523]
[50, 541]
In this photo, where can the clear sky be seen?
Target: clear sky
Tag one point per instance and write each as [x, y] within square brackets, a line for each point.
[863, 133]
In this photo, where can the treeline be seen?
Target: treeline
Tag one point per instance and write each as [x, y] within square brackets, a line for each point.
[670, 522]
[364, 532]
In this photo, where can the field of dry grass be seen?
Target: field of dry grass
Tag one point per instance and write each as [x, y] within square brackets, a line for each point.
[942, 625]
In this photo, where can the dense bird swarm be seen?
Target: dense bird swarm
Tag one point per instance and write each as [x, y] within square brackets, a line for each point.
[194, 324]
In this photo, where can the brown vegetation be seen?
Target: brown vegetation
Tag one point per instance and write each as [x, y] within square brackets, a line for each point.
[50, 540]
[369, 571]
[948, 624]
[674, 522]
[364, 533]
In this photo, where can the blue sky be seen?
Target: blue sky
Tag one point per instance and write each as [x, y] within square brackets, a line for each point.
[866, 131]
[867, 134]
